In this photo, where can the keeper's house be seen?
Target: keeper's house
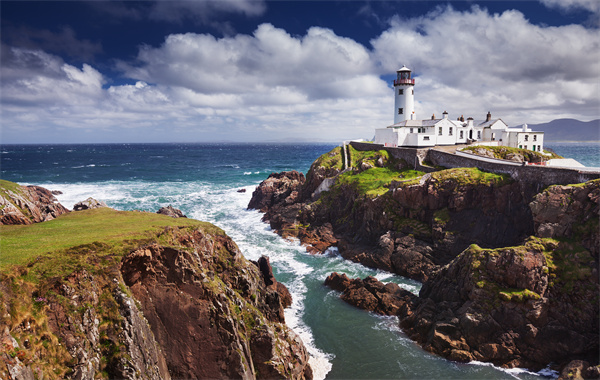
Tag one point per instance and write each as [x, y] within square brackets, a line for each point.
[409, 132]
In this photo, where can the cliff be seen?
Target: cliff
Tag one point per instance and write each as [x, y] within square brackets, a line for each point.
[384, 215]
[27, 204]
[510, 274]
[109, 294]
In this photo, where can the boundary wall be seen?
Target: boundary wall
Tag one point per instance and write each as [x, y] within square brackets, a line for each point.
[540, 175]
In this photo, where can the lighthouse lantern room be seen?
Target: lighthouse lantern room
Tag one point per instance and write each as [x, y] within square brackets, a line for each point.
[405, 96]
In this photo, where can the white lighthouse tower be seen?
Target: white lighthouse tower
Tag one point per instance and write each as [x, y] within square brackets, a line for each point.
[405, 96]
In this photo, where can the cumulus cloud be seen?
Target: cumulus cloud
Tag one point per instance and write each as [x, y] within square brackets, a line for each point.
[316, 86]
[39, 79]
[271, 85]
[473, 61]
[318, 65]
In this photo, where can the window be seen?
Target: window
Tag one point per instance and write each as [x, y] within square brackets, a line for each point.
[539, 149]
[493, 137]
[461, 134]
[534, 137]
[400, 92]
[426, 138]
[520, 146]
[450, 131]
[411, 130]
[400, 111]
[526, 137]
[413, 91]
[440, 131]
[478, 135]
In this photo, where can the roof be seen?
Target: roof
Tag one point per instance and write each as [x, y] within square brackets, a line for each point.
[486, 124]
[404, 68]
[416, 123]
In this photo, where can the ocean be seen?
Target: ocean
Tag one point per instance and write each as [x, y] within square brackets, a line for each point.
[203, 181]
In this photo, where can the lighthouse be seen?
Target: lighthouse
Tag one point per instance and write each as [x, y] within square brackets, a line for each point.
[405, 96]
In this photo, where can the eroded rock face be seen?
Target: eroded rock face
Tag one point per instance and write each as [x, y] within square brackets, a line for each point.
[411, 230]
[224, 304]
[514, 307]
[522, 306]
[561, 211]
[190, 307]
[278, 189]
[29, 204]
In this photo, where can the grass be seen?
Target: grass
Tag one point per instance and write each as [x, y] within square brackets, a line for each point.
[503, 152]
[376, 181]
[20, 244]
[471, 176]
[331, 159]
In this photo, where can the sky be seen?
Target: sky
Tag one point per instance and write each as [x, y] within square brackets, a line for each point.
[286, 71]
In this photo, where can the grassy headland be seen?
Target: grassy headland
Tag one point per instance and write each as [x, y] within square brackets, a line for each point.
[117, 230]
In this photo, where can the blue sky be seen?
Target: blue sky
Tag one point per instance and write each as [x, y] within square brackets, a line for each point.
[198, 71]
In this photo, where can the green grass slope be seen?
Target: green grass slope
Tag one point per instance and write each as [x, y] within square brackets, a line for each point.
[117, 230]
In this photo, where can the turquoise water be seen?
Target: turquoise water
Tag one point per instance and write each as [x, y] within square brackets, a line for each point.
[586, 153]
[202, 180]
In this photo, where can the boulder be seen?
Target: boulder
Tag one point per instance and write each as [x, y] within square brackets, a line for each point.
[171, 211]
[88, 204]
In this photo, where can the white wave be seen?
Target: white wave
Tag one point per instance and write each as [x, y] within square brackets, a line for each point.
[247, 173]
[514, 372]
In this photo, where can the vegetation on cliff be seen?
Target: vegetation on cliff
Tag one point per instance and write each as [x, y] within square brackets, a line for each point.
[511, 154]
[510, 273]
[75, 295]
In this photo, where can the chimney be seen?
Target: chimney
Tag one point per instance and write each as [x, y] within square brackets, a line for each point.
[462, 118]
[445, 114]
[433, 117]
[488, 117]
[470, 121]
[525, 129]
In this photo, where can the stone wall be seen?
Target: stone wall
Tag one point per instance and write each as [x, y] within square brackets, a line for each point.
[540, 175]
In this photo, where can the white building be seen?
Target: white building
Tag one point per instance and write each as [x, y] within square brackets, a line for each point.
[523, 138]
[407, 131]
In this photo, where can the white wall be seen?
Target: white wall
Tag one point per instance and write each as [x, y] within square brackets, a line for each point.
[406, 101]
[386, 136]
[445, 138]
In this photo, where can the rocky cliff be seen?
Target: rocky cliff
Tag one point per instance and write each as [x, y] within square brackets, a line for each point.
[510, 275]
[168, 298]
[386, 216]
[27, 204]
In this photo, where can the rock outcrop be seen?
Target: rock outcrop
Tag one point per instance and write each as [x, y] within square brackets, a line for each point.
[523, 306]
[411, 228]
[184, 304]
[27, 204]
[88, 204]
[527, 305]
[171, 211]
